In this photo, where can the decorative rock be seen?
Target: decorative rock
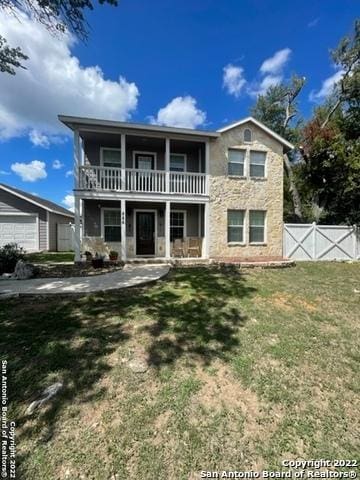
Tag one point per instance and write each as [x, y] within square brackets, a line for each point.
[138, 366]
[23, 270]
[46, 395]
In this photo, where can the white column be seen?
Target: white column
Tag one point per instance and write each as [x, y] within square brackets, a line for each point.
[123, 161]
[167, 230]
[167, 165]
[77, 229]
[206, 240]
[123, 230]
[207, 166]
[77, 158]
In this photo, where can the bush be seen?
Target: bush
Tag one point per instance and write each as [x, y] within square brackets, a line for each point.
[9, 256]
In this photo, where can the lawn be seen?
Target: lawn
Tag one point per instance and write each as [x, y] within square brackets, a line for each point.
[50, 257]
[245, 370]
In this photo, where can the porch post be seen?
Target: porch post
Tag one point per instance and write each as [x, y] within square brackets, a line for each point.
[207, 166]
[77, 158]
[77, 229]
[123, 229]
[123, 161]
[167, 165]
[206, 241]
[167, 230]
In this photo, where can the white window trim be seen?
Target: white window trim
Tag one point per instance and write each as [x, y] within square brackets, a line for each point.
[185, 219]
[102, 155]
[244, 163]
[103, 223]
[136, 210]
[184, 155]
[259, 164]
[140, 152]
[244, 226]
[265, 226]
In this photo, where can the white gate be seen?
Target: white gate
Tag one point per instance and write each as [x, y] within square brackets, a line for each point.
[65, 237]
[321, 242]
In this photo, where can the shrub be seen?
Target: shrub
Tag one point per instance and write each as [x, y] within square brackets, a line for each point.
[9, 256]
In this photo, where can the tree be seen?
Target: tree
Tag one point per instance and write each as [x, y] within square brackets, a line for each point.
[56, 15]
[277, 109]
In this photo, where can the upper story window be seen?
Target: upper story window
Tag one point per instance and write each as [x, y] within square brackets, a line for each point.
[257, 164]
[236, 226]
[111, 157]
[177, 162]
[257, 226]
[247, 135]
[236, 162]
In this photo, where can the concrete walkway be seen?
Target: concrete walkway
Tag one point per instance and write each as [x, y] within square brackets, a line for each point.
[130, 276]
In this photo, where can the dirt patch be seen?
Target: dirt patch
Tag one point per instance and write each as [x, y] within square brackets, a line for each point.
[289, 302]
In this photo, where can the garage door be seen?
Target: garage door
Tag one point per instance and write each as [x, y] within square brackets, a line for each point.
[19, 229]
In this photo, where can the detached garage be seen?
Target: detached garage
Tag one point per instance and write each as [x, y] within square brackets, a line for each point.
[30, 221]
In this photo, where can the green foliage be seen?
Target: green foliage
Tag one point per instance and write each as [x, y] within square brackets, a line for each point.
[10, 58]
[9, 256]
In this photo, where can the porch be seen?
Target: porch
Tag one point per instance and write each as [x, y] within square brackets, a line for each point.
[144, 230]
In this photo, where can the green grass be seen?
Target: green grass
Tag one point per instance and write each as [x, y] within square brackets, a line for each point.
[245, 370]
[50, 257]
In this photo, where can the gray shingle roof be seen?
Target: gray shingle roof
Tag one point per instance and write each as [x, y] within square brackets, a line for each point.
[42, 202]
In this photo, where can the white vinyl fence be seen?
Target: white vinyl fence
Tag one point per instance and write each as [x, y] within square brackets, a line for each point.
[65, 237]
[321, 242]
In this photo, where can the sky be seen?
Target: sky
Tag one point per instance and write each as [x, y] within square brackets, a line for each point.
[197, 64]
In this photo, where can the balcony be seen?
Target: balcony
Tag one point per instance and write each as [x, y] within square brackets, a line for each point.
[99, 178]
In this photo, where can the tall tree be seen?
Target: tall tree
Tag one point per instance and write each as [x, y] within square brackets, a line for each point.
[56, 15]
[278, 109]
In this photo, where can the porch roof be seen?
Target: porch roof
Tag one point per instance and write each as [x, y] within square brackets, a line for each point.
[79, 122]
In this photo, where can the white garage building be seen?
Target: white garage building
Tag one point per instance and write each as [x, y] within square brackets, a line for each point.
[30, 221]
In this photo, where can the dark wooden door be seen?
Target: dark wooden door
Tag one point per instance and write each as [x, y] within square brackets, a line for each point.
[145, 233]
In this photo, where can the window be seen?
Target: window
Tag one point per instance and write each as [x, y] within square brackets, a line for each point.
[257, 226]
[247, 135]
[236, 162]
[177, 162]
[112, 226]
[236, 225]
[257, 164]
[111, 157]
[177, 225]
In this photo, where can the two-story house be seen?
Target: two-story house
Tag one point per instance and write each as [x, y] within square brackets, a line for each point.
[163, 192]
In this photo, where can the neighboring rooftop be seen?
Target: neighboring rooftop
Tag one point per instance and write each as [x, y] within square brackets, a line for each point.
[40, 202]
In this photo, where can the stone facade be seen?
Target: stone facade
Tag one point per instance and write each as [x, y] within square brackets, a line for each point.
[245, 193]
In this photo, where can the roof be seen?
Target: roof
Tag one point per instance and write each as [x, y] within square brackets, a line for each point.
[40, 202]
[75, 122]
[260, 125]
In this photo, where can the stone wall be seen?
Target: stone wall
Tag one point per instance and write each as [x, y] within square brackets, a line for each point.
[246, 193]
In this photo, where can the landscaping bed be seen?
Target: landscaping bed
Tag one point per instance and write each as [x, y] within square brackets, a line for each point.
[65, 270]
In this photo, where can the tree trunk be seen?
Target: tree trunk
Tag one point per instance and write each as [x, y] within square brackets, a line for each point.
[293, 189]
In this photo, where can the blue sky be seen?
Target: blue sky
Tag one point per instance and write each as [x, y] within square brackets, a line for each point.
[198, 64]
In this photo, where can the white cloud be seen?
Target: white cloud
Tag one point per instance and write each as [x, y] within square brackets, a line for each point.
[327, 87]
[69, 173]
[276, 63]
[57, 165]
[233, 79]
[4, 172]
[180, 112]
[54, 82]
[313, 22]
[69, 202]
[38, 139]
[260, 88]
[30, 172]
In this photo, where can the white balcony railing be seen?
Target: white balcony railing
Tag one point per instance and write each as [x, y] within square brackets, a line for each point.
[98, 178]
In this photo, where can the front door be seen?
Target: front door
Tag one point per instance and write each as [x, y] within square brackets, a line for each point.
[145, 233]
